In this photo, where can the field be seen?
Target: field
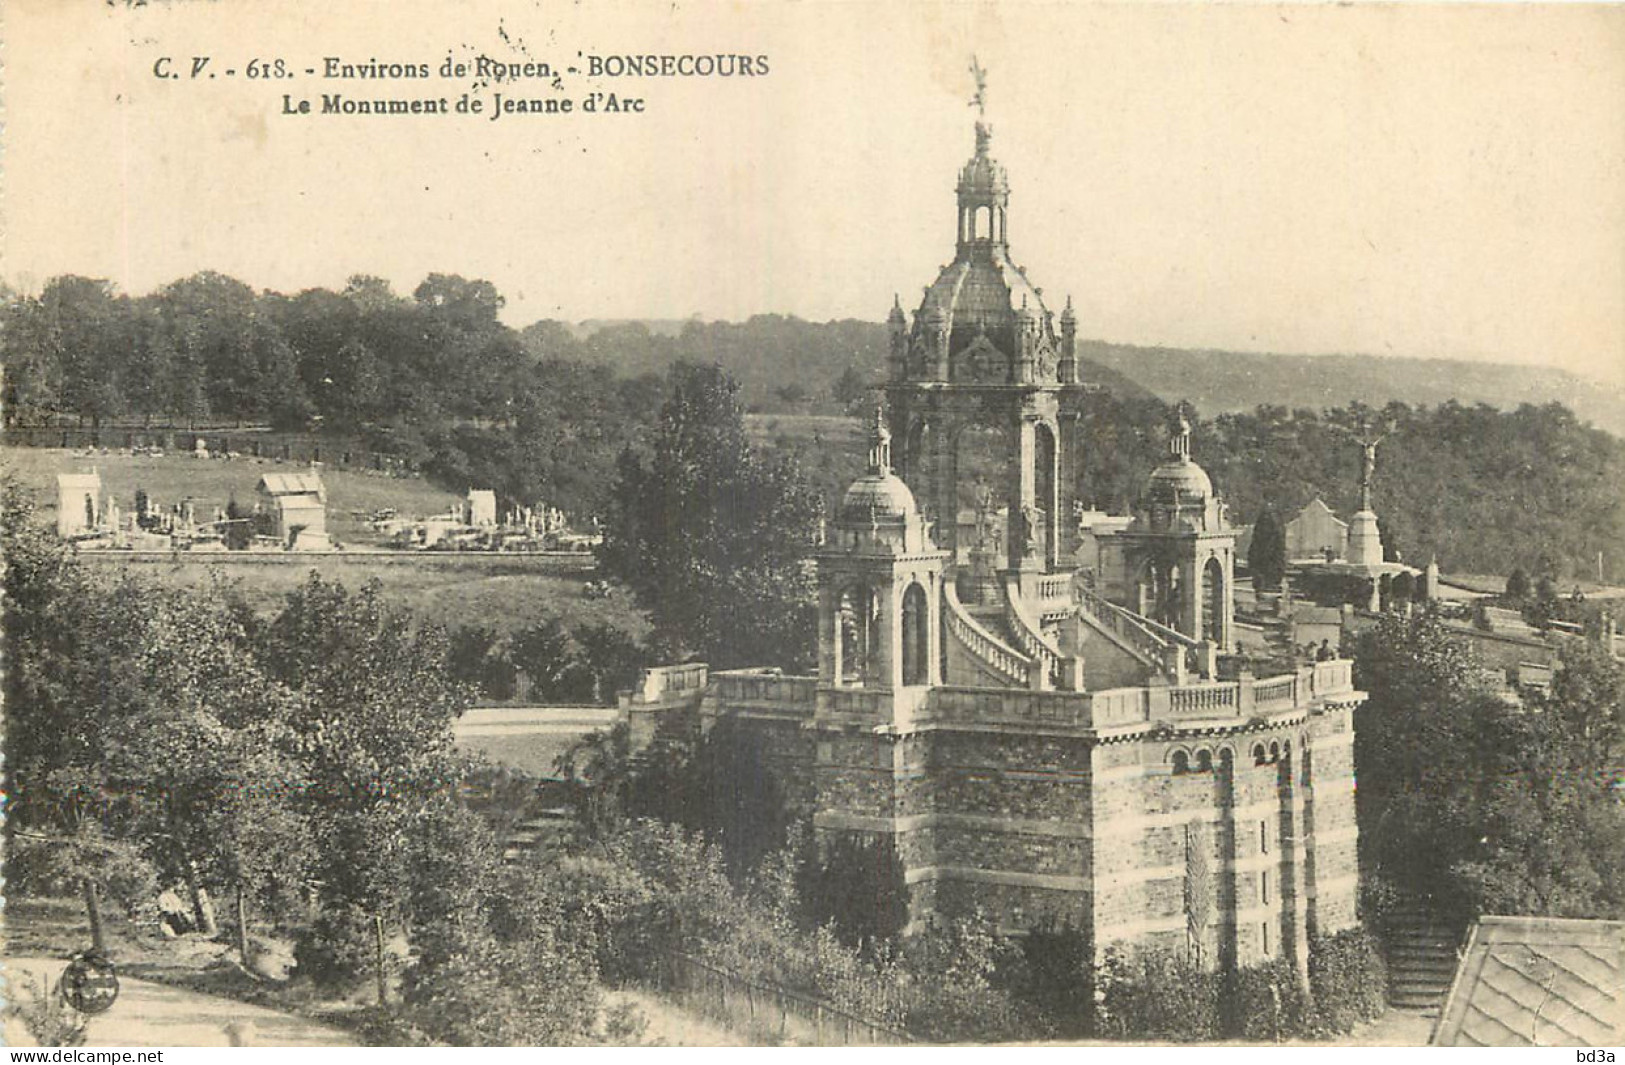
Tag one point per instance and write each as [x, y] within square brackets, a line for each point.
[352, 495]
[506, 595]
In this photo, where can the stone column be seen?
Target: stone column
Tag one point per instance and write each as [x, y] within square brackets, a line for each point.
[1054, 519]
[1022, 495]
[888, 667]
[1294, 901]
[945, 490]
[829, 636]
[933, 629]
[1067, 462]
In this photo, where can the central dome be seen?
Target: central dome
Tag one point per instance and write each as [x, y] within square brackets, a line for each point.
[982, 292]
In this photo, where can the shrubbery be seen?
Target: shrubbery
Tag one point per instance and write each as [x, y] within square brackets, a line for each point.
[1160, 996]
[1156, 995]
[1264, 1003]
[1348, 981]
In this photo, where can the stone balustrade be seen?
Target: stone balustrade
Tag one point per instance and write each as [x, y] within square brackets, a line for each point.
[744, 686]
[1206, 700]
[998, 657]
[1126, 707]
[659, 682]
[1029, 635]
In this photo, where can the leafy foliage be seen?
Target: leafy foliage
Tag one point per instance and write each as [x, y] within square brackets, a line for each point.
[1153, 995]
[1348, 981]
[1266, 554]
[712, 537]
[1486, 806]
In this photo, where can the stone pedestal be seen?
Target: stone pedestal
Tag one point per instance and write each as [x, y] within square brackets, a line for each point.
[1365, 542]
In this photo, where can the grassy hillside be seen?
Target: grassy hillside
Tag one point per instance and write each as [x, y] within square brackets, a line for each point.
[437, 590]
[1229, 381]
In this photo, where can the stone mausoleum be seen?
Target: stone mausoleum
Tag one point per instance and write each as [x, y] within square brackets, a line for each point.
[1044, 741]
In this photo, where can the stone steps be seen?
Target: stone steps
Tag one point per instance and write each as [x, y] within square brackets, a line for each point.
[1422, 957]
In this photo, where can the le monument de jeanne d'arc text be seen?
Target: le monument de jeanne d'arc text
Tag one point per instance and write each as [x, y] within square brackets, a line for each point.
[1047, 723]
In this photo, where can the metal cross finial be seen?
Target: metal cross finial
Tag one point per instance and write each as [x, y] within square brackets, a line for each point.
[979, 99]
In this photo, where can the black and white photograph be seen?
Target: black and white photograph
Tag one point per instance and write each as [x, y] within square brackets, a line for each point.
[841, 524]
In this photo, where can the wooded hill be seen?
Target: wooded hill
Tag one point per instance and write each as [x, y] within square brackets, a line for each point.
[542, 413]
[1230, 381]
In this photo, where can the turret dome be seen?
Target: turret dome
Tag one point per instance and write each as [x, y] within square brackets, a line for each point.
[877, 497]
[1178, 481]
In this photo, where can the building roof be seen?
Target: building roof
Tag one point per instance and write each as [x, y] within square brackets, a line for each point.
[291, 484]
[1319, 504]
[1537, 981]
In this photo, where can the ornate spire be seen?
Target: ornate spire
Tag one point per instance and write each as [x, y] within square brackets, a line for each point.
[879, 442]
[1179, 434]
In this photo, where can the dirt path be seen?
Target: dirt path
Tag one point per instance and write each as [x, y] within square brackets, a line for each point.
[156, 1015]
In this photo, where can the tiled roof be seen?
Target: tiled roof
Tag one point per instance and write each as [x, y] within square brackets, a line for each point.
[1537, 981]
[289, 484]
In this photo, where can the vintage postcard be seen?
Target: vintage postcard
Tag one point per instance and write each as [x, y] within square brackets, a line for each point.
[849, 523]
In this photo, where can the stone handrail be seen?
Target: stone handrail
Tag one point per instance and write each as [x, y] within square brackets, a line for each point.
[1276, 689]
[1055, 586]
[1000, 659]
[1125, 623]
[1334, 677]
[1013, 707]
[1029, 634]
[753, 686]
[658, 681]
[1211, 700]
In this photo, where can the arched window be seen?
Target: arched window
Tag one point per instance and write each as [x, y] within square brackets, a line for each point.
[857, 634]
[1275, 752]
[1204, 761]
[1260, 756]
[1044, 485]
[916, 636]
[1182, 763]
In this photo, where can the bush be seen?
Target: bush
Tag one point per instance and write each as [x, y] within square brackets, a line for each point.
[1264, 1003]
[337, 951]
[1348, 981]
[1059, 976]
[1155, 996]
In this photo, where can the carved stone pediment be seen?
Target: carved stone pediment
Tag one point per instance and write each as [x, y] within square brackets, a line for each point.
[982, 363]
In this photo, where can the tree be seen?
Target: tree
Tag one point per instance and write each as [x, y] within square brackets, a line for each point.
[712, 538]
[792, 394]
[850, 389]
[1414, 744]
[1517, 588]
[1266, 555]
[1486, 806]
[552, 660]
[373, 724]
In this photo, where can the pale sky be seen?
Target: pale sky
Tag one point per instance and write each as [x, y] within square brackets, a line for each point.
[1432, 181]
